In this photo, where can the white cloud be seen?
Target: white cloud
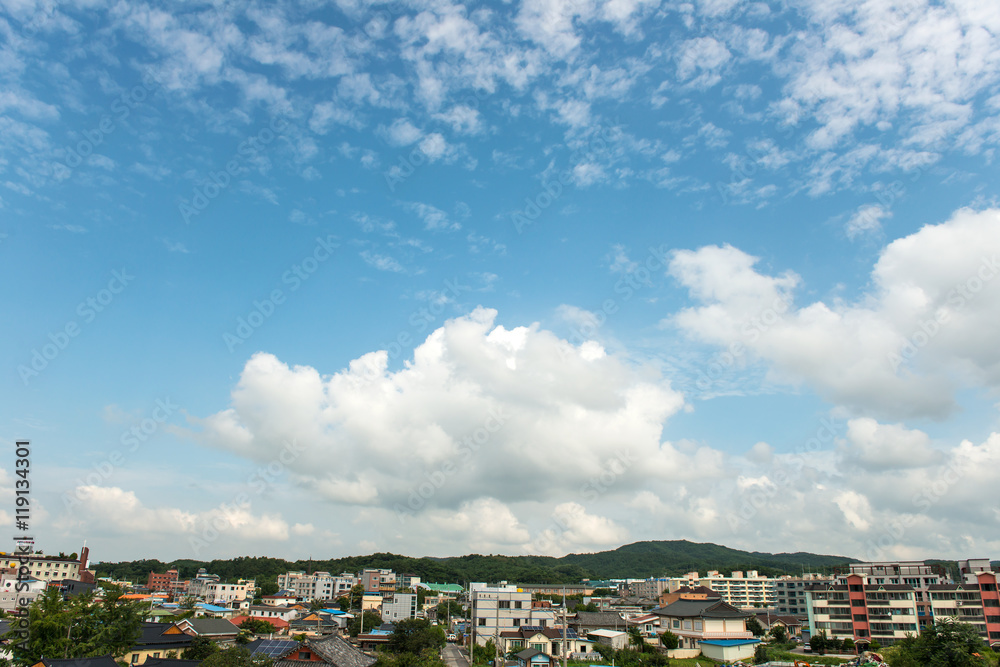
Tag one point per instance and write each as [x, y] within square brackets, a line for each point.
[475, 400]
[381, 262]
[898, 351]
[866, 220]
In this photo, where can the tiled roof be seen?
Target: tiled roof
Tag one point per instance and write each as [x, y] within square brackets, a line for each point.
[599, 618]
[701, 609]
[212, 626]
[102, 661]
[334, 650]
[170, 662]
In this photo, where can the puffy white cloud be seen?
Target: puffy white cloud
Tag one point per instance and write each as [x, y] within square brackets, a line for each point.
[476, 399]
[927, 325]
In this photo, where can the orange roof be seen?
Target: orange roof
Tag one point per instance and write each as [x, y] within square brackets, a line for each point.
[278, 623]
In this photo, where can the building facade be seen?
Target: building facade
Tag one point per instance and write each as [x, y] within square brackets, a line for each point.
[399, 606]
[318, 585]
[496, 609]
[166, 582]
[862, 612]
[790, 593]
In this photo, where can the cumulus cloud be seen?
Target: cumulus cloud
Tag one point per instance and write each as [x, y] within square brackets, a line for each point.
[476, 397]
[900, 350]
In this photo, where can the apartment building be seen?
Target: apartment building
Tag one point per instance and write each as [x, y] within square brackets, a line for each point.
[209, 588]
[746, 590]
[504, 607]
[650, 588]
[318, 585]
[861, 611]
[382, 582]
[399, 606]
[11, 598]
[51, 568]
[914, 573]
[162, 582]
[975, 599]
[790, 593]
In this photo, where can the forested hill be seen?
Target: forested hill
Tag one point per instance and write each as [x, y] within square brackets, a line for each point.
[638, 560]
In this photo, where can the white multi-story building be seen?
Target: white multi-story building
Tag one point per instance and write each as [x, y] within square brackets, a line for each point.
[207, 587]
[746, 590]
[399, 606]
[504, 607]
[649, 588]
[318, 585]
[48, 568]
[790, 593]
[11, 598]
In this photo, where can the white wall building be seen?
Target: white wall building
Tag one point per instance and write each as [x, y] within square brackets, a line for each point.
[318, 585]
[399, 606]
[496, 609]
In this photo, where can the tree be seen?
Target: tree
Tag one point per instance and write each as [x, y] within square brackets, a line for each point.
[315, 604]
[237, 656]
[817, 643]
[833, 645]
[201, 648]
[847, 646]
[874, 647]
[754, 626]
[415, 635]
[944, 644]
[257, 626]
[451, 606]
[268, 588]
[605, 651]
[760, 654]
[635, 639]
[669, 640]
[81, 627]
[779, 633]
[428, 658]
[344, 603]
[357, 595]
[371, 621]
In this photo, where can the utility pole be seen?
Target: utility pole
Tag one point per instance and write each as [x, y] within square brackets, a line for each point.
[564, 651]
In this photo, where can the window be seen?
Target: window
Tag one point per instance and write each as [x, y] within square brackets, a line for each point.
[677, 624]
[304, 655]
[697, 625]
[504, 604]
[135, 658]
[156, 655]
[482, 622]
[857, 603]
[517, 604]
[687, 625]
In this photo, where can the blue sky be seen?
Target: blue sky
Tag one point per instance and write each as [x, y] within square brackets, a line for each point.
[532, 277]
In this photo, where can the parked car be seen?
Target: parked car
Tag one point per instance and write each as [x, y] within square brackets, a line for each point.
[452, 638]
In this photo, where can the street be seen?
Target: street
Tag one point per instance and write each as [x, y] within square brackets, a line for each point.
[453, 657]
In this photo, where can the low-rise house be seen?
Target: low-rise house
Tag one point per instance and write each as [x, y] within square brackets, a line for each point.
[320, 622]
[698, 621]
[170, 662]
[689, 593]
[616, 639]
[280, 625]
[158, 640]
[219, 630]
[531, 657]
[332, 651]
[792, 625]
[102, 661]
[272, 611]
[585, 621]
[551, 641]
[272, 648]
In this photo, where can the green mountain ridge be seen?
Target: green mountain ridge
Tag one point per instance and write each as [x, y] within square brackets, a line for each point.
[638, 560]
